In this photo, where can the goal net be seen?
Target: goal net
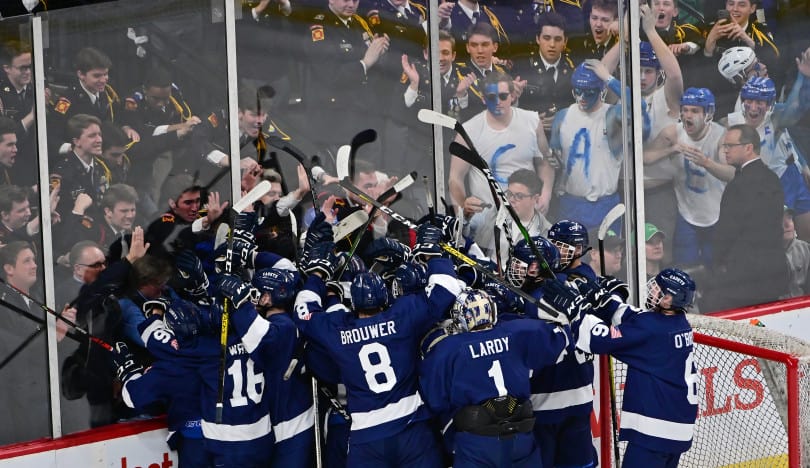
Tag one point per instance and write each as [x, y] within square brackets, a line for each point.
[754, 393]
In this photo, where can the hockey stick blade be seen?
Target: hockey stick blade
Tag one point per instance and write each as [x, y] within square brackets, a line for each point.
[254, 195]
[348, 225]
[366, 136]
[615, 213]
[342, 161]
[432, 117]
[550, 315]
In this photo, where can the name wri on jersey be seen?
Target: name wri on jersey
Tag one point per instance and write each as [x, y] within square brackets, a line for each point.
[237, 349]
[683, 339]
[368, 332]
[489, 347]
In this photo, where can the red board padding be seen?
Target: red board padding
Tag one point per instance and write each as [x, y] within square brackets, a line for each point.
[764, 309]
[90, 436]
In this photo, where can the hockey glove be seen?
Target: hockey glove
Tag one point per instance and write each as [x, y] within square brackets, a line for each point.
[615, 286]
[191, 276]
[245, 221]
[449, 226]
[558, 297]
[319, 231]
[336, 289]
[237, 290]
[156, 306]
[123, 362]
[387, 252]
[320, 259]
[427, 245]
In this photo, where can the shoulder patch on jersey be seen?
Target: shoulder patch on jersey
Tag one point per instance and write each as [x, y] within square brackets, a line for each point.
[167, 218]
[317, 32]
[62, 105]
[404, 78]
[87, 223]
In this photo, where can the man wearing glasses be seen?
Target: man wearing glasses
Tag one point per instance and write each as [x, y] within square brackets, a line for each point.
[749, 261]
[509, 139]
[17, 99]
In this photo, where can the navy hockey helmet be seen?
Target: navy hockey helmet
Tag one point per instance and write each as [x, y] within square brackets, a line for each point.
[368, 292]
[280, 284]
[647, 55]
[671, 282]
[184, 319]
[356, 265]
[474, 310]
[409, 278]
[701, 97]
[760, 89]
[571, 238]
[523, 256]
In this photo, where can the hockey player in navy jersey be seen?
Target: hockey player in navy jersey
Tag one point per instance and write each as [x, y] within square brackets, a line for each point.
[376, 352]
[478, 374]
[660, 401]
[563, 394]
[291, 408]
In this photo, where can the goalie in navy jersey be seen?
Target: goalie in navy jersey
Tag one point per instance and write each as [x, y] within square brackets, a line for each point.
[375, 350]
[477, 373]
[660, 401]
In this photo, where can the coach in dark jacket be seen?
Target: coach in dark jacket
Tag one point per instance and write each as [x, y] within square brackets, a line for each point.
[750, 264]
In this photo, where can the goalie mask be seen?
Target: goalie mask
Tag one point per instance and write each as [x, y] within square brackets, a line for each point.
[522, 257]
[671, 289]
[571, 238]
[473, 311]
[184, 319]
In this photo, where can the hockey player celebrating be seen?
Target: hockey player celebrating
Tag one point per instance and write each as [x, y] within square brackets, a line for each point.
[478, 374]
[375, 350]
[660, 401]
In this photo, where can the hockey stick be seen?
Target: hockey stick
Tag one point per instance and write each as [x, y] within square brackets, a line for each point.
[366, 136]
[301, 157]
[550, 315]
[474, 159]
[400, 186]
[348, 225]
[429, 198]
[22, 346]
[78, 333]
[432, 117]
[606, 361]
[342, 161]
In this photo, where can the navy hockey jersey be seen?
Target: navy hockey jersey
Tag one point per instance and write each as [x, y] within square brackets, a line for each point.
[377, 356]
[660, 401]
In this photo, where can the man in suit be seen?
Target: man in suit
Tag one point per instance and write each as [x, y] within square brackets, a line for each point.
[749, 260]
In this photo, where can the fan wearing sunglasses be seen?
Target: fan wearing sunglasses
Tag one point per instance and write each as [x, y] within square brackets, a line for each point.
[586, 139]
[509, 139]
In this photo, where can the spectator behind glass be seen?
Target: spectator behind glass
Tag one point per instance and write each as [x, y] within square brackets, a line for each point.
[8, 151]
[15, 215]
[798, 257]
[654, 249]
[614, 254]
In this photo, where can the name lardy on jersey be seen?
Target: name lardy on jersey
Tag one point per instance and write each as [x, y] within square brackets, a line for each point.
[490, 347]
[368, 332]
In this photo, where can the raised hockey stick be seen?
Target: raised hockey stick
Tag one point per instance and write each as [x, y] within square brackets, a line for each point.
[299, 156]
[366, 136]
[342, 161]
[430, 116]
[606, 361]
[22, 346]
[546, 314]
[397, 188]
[348, 225]
[474, 159]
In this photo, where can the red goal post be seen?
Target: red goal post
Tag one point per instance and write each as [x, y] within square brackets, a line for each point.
[754, 393]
